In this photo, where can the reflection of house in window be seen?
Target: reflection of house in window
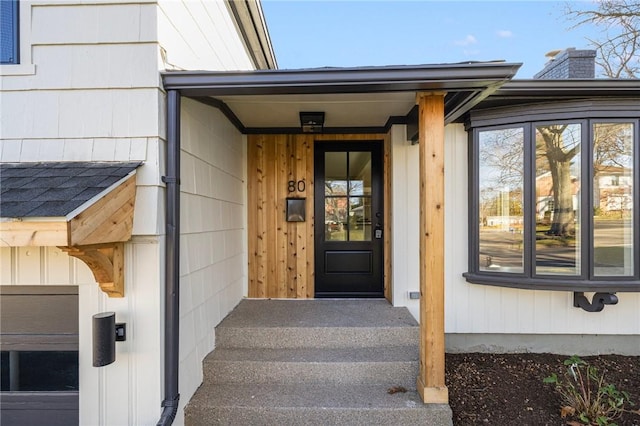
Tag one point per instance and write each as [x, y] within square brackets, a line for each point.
[544, 195]
[613, 188]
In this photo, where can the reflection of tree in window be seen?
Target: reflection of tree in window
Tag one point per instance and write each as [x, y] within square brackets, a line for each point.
[501, 210]
[612, 158]
[557, 146]
[613, 187]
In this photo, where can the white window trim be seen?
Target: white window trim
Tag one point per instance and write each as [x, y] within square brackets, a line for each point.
[26, 66]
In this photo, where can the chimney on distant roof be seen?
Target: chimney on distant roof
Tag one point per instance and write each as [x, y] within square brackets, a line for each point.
[568, 63]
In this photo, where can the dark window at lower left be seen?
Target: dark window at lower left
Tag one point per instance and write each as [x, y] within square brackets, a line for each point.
[9, 53]
[41, 371]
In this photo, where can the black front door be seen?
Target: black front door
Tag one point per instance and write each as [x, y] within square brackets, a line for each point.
[348, 219]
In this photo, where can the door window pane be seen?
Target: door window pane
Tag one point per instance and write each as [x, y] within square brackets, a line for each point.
[613, 199]
[359, 173]
[501, 172]
[335, 218]
[359, 219]
[335, 172]
[557, 189]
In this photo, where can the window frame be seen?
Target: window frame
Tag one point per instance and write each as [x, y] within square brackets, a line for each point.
[539, 115]
[15, 18]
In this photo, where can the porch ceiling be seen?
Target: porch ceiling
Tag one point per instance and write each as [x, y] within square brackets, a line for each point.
[352, 98]
[341, 110]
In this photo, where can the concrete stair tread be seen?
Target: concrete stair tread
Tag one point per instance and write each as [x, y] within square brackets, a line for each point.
[313, 365]
[318, 314]
[315, 337]
[306, 355]
[370, 397]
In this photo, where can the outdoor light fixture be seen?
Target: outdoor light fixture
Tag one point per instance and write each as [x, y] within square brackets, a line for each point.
[106, 332]
[312, 122]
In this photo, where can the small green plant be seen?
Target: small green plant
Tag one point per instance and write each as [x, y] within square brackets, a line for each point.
[586, 396]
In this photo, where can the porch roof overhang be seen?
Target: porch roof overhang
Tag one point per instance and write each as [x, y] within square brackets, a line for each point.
[363, 99]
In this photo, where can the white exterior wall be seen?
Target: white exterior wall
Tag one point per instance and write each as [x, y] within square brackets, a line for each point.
[213, 234]
[88, 89]
[200, 35]
[405, 214]
[481, 309]
[129, 390]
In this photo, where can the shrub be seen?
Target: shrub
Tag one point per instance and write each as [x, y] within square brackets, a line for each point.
[586, 396]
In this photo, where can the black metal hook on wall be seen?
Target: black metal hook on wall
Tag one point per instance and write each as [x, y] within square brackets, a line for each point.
[597, 302]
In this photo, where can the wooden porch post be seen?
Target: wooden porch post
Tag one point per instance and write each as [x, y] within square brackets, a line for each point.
[431, 384]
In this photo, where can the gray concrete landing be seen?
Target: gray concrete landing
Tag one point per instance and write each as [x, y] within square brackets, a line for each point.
[313, 362]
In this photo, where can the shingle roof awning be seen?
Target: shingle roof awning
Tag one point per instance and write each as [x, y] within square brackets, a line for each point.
[66, 203]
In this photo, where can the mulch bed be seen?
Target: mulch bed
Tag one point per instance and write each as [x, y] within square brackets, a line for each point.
[508, 389]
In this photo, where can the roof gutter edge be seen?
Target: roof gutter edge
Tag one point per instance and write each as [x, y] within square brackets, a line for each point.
[314, 80]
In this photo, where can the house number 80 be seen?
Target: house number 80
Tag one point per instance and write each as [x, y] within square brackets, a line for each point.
[299, 185]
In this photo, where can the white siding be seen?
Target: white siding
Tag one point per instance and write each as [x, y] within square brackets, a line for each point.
[133, 383]
[213, 234]
[94, 95]
[89, 89]
[199, 35]
[406, 215]
[473, 308]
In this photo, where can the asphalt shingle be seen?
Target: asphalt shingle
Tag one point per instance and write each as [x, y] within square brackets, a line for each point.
[55, 188]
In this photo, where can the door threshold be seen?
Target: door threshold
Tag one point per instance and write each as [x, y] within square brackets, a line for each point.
[337, 295]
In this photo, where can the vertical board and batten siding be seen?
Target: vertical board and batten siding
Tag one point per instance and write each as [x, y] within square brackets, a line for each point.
[406, 217]
[132, 382]
[213, 271]
[481, 309]
[281, 253]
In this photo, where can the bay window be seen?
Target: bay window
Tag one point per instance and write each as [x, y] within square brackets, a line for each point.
[554, 204]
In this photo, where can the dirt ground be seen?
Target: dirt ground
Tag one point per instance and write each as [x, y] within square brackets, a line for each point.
[508, 389]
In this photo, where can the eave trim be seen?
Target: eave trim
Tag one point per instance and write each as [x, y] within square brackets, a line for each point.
[445, 77]
[249, 20]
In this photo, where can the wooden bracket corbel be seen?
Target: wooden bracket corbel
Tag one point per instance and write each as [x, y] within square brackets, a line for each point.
[106, 261]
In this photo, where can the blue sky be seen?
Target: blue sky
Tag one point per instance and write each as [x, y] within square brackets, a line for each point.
[308, 34]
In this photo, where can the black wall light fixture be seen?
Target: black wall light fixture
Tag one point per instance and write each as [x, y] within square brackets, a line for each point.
[106, 332]
[312, 122]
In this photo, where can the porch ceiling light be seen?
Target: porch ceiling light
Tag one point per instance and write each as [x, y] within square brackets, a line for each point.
[311, 122]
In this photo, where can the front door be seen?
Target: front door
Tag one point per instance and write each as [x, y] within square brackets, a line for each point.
[349, 244]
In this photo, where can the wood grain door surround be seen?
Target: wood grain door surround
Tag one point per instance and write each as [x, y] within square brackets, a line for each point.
[281, 253]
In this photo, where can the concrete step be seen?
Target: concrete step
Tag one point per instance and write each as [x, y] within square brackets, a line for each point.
[314, 362]
[316, 324]
[303, 404]
[397, 365]
[315, 337]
